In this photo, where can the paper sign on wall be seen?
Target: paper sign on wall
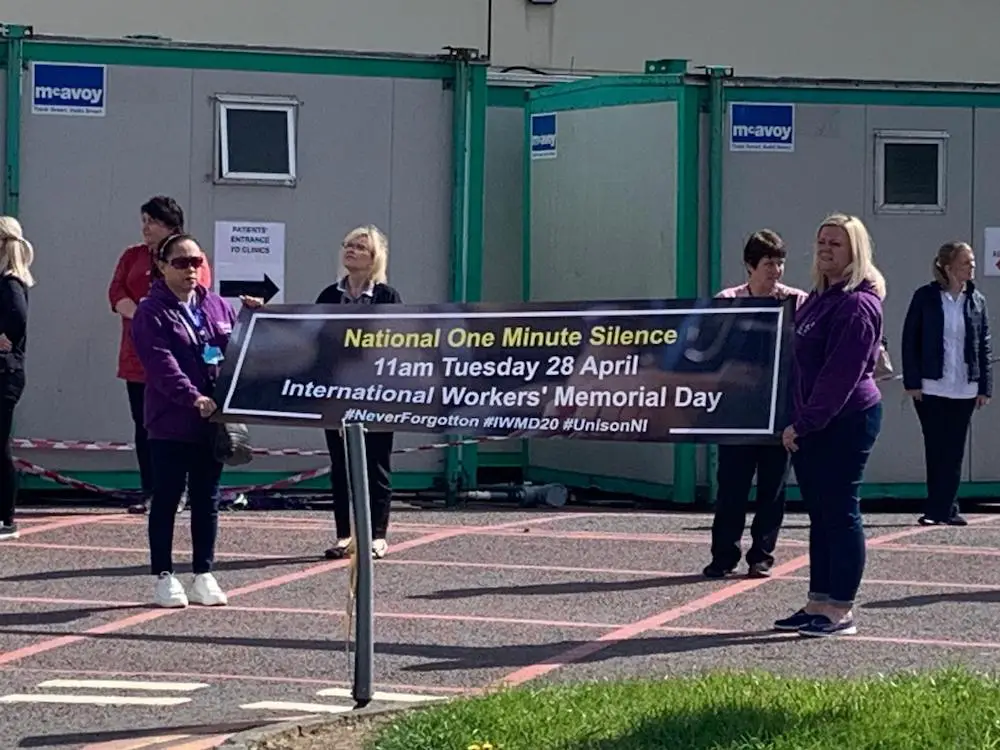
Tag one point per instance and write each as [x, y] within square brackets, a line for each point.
[68, 89]
[543, 136]
[761, 127]
[991, 252]
[250, 259]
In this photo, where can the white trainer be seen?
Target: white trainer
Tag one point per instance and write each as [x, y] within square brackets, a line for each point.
[206, 591]
[169, 592]
[379, 548]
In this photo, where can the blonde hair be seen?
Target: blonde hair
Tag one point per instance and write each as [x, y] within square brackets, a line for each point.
[379, 245]
[862, 266]
[945, 257]
[16, 253]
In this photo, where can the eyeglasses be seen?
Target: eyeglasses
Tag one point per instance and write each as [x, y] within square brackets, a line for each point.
[187, 261]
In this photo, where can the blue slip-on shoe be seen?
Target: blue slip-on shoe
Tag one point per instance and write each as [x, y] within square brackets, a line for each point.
[823, 627]
[796, 622]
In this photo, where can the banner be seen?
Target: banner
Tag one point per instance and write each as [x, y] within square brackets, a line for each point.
[666, 371]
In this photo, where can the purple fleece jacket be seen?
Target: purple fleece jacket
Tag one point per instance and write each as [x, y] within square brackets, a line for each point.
[837, 339]
[176, 374]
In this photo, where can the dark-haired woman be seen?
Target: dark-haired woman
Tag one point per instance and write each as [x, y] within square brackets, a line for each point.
[181, 331]
[161, 217]
[947, 371]
[764, 260]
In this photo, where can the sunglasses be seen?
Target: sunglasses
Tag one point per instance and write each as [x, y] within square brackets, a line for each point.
[188, 261]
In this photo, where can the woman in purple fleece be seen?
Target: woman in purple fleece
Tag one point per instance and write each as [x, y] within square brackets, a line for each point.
[180, 332]
[837, 418]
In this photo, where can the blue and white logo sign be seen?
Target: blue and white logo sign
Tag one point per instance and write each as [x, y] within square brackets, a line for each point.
[762, 127]
[68, 89]
[543, 136]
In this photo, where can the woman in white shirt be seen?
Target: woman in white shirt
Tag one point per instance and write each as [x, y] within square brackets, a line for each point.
[947, 370]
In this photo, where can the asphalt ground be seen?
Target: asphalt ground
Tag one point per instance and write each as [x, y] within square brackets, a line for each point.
[465, 600]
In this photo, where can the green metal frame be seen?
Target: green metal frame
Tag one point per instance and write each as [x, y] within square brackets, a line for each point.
[145, 54]
[510, 97]
[468, 181]
[402, 481]
[664, 82]
[716, 134]
[461, 69]
[14, 60]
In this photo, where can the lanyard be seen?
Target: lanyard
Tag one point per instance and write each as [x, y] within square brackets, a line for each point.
[193, 326]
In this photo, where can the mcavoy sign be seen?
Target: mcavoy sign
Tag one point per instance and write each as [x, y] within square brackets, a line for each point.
[761, 127]
[68, 89]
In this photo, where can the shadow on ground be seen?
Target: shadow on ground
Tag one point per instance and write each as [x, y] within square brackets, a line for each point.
[720, 729]
[442, 658]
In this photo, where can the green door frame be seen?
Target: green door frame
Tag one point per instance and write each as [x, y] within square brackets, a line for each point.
[13, 36]
[462, 70]
[662, 82]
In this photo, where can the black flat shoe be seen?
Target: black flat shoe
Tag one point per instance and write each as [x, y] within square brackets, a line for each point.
[714, 570]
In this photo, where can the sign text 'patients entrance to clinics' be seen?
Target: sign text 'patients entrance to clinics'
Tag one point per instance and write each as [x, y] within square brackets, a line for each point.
[679, 370]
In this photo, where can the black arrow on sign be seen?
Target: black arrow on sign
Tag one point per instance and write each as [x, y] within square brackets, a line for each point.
[265, 289]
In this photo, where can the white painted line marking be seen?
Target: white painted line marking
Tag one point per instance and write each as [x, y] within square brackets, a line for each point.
[95, 700]
[180, 687]
[312, 708]
[337, 692]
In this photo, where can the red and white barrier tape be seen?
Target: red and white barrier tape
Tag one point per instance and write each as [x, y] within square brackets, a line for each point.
[104, 445]
[101, 445]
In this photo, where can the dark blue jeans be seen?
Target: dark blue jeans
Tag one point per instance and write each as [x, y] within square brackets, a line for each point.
[175, 464]
[829, 466]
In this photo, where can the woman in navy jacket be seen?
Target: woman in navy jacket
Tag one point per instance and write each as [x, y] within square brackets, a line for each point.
[947, 371]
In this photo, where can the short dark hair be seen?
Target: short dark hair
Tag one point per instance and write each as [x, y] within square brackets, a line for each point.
[166, 210]
[765, 243]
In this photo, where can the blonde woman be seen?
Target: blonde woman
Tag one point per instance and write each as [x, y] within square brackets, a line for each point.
[947, 371]
[16, 257]
[364, 259]
[837, 418]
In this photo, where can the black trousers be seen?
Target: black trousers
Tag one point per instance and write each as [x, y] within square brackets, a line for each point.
[136, 398]
[11, 388]
[945, 424]
[176, 465]
[737, 466]
[378, 456]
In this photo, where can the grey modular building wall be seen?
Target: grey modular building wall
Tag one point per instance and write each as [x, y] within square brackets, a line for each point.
[375, 142]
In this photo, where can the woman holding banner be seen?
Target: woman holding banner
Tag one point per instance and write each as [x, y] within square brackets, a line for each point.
[364, 260]
[837, 418]
[161, 217]
[764, 259]
[947, 371]
[181, 331]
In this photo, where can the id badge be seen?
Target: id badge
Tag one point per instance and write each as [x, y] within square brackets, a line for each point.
[211, 354]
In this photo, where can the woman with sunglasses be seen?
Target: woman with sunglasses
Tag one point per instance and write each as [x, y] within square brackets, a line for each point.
[181, 331]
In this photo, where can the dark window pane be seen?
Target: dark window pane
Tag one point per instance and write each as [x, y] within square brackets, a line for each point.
[911, 174]
[258, 141]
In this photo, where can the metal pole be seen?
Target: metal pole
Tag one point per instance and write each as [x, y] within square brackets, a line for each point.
[357, 476]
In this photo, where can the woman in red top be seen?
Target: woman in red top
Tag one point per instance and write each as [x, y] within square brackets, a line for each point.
[161, 217]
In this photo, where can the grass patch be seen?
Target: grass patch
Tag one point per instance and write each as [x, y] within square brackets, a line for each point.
[954, 709]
